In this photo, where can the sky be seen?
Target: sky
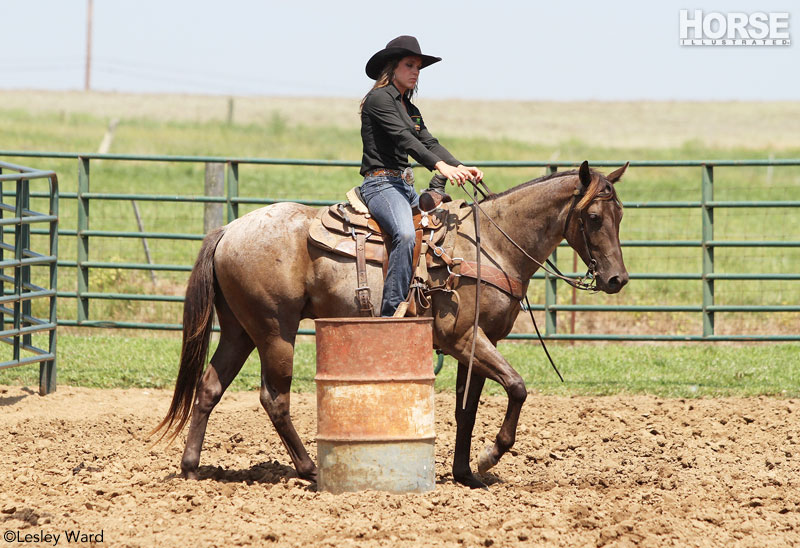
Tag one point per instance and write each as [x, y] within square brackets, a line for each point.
[491, 49]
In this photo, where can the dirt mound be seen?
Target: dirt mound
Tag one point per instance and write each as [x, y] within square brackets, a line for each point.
[610, 471]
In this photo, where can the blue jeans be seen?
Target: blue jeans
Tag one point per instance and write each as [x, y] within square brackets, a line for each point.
[390, 200]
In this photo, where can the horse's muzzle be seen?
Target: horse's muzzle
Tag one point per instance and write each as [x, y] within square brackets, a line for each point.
[614, 284]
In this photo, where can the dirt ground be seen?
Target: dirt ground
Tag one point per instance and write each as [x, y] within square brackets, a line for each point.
[602, 471]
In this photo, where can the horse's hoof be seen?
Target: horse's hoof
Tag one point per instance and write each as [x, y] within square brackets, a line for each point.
[487, 459]
[309, 476]
[470, 481]
[190, 474]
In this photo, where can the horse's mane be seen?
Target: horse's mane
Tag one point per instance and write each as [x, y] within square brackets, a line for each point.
[532, 182]
[594, 190]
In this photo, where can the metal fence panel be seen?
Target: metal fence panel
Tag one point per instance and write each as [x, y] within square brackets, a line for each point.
[16, 304]
[708, 242]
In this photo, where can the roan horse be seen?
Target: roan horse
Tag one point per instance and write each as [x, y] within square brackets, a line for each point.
[263, 278]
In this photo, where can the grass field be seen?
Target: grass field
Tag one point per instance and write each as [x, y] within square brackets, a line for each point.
[106, 361]
[474, 131]
[615, 124]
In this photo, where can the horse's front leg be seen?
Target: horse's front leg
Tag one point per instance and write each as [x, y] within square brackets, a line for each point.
[490, 364]
[465, 422]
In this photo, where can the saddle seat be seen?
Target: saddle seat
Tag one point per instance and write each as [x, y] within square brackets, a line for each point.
[335, 229]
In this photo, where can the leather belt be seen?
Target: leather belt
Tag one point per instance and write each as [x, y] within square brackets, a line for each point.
[382, 172]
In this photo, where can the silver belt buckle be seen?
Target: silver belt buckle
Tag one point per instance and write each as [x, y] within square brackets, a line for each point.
[408, 176]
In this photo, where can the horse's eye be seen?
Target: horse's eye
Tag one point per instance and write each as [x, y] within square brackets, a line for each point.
[594, 217]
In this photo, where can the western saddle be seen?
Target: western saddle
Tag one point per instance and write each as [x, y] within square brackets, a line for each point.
[348, 229]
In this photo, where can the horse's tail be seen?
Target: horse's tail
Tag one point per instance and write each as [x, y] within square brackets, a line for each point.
[198, 319]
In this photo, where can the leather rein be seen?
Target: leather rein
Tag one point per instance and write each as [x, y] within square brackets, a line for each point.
[581, 283]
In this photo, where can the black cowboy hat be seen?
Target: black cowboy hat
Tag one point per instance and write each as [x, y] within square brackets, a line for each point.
[401, 46]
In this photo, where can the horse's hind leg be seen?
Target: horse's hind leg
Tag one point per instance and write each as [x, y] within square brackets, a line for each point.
[234, 347]
[277, 353]
[465, 422]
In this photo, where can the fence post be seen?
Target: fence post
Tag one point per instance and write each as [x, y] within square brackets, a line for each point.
[550, 287]
[18, 256]
[708, 249]
[2, 255]
[83, 239]
[233, 191]
[25, 270]
[214, 186]
[47, 369]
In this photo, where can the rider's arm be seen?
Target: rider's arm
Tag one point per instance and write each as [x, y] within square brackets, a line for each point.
[449, 166]
[383, 109]
[433, 144]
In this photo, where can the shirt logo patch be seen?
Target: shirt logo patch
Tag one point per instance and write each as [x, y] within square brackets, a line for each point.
[417, 122]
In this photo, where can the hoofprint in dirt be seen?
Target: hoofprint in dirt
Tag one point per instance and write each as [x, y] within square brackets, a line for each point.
[585, 471]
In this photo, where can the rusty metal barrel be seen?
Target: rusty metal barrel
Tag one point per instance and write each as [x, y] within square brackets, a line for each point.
[375, 416]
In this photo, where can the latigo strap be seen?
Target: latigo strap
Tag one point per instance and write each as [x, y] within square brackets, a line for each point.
[362, 291]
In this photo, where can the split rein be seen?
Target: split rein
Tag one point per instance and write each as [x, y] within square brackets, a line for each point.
[581, 283]
[553, 270]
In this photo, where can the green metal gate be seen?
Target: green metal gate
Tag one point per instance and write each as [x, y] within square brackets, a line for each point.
[707, 242]
[19, 319]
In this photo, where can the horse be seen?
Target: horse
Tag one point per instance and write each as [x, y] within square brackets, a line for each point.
[262, 276]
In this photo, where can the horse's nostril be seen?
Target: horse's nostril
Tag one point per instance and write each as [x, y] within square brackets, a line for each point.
[617, 282]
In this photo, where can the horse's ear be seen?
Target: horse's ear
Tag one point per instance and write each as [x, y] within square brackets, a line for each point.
[617, 175]
[584, 174]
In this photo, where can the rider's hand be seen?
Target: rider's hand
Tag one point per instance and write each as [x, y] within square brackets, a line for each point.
[457, 175]
[475, 173]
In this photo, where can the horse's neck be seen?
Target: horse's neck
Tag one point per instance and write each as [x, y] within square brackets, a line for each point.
[533, 217]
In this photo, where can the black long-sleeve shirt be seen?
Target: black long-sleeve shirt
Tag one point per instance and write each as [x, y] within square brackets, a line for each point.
[391, 131]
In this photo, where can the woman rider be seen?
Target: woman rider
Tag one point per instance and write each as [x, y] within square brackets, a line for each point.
[391, 129]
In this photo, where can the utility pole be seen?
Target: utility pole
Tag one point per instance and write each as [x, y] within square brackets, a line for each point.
[89, 11]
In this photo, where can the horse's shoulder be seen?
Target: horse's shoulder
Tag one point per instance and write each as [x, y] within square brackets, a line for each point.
[456, 207]
[454, 213]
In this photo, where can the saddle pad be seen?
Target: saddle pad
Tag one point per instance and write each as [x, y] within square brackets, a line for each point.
[321, 237]
[355, 201]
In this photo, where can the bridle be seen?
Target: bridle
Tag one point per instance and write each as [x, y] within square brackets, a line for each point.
[591, 270]
[579, 283]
